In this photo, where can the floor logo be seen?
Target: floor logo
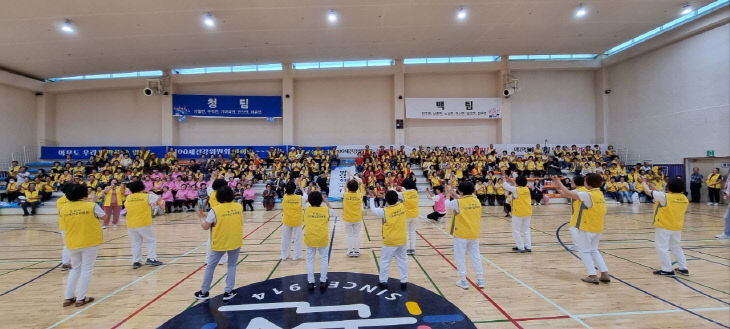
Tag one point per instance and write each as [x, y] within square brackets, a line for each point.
[352, 300]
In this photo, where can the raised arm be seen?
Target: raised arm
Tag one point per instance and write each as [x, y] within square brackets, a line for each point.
[562, 190]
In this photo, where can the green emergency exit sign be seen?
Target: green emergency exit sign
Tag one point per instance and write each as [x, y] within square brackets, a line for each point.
[710, 153]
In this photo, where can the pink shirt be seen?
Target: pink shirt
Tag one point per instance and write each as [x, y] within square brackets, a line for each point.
[248, 194]
[148, 185]
[440, 205]
[192, 194]
[167, 196]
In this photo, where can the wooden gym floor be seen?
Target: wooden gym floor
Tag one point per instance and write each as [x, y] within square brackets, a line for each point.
[536, 290]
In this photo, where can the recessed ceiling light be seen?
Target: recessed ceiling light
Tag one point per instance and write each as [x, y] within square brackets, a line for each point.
[581, 11]
[332, 16]
[686, 9]
[209, 20]
[67, 27]
[461, 14]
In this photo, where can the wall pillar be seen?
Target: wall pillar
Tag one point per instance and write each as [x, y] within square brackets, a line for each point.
[601, 98]
[399, 99]
[45, 119]
[169, 124]
[504, 127]
[287, 113]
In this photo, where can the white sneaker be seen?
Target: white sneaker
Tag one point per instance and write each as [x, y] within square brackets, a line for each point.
[463, 284]
[480, 283]
[103, 227]
[115, 226]
[709, 203]
[618, 202]
[722, 236]
[350, 253]
[716, 204]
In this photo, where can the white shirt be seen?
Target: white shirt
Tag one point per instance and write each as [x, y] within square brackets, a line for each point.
[452, 205]
[585, 197]
[152, 198]
[509, 188]
[660, 197]
[98, 212]
[376, 211]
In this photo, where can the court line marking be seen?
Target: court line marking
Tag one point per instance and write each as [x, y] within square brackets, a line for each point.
[31, 280]
[183, 279]
[557, 235]
[702, 309]
[332, 240]
[505, 272]
[427, 276]
[69, 317]
[473, 284]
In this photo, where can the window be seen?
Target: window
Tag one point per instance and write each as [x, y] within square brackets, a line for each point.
[139, 74]
[557, 57]
[229, 69]
[668, 26]
[338, 64]
[445, 60]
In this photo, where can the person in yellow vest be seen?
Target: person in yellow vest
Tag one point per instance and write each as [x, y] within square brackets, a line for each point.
[352, 216]
[213, 201]
[714, 184]
[32, 199]
[394, 237]
[225, 222]
[590, 220]
[83, 235]
[465, 228]
[139, 223]
[113, 200]
[612, 190]
[669, 210]
[65, 256]
[291, 219]
[410, 202]
[316, 237]
[578, 184]
[521, 212]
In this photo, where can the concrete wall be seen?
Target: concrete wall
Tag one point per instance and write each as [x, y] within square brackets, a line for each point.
[17, 120]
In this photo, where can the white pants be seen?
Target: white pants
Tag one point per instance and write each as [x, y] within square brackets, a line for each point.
[411, 225]
[573, 235]
[587, 243]
[353, 235]
[286, 236]
[82, 267]
[323, 263]
[521, 224]
[65, 255]
[401, 260]
[666, 240]
[144, 234]
[470, 247]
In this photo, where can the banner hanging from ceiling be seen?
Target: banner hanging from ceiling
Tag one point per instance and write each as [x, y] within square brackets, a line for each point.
[225, 106]
[453, 108]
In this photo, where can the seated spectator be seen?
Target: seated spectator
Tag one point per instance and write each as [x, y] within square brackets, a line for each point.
[32, 200]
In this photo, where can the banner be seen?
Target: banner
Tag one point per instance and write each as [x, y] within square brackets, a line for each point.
[350, 151]
[222, 106]
[453, 108]
[338, 179]
[194, 152]
[84, 152]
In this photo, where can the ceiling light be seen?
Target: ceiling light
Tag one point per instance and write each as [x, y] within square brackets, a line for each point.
[461, 14]
[209, 20]
[686, 9]
[67, 27]
[581, 11]
[332, 16]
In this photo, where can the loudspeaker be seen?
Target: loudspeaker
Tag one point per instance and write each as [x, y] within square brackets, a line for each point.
[399, 124]
[400, 96]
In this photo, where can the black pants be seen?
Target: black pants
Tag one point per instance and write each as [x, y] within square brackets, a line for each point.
[695, 189]
[11, 196]
[714, 194]
[33, 206]
[435, 215]
[491, 198]
[482, 198]
[500, 200]
[248, 203]
[168, 206]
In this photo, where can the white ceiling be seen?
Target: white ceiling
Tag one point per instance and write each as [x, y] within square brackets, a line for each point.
[134, 35]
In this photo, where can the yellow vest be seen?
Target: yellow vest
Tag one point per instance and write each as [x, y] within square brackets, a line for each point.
[62, 201]
[212, 200]
[139, 211]
[316, 224]
[410, 201]
[227, 233]
[576, 206]
[394, 225]
[108, 196]
[32, 196]
[292, 205]
[465, 224]
[352, 207]
[81, 226]
[713, 181]
[592, 219]
[671, 216]
[522, 205]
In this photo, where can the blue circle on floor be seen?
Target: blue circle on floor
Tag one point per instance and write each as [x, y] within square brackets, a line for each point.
[351, 300]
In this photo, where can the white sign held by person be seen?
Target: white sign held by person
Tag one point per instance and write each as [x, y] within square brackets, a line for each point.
[453, 108]
[338, 179]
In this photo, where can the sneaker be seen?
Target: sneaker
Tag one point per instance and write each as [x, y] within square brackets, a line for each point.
[383, 285]
[103, 227]
[310, 285]
[480, 283]
[722, 236]
[683, 272]
[136, 265]
[201, 296]
[356, 254]
[229, 295]
[528, 249]
[84, 301]
[709, 203]
[590, 279]
[463, 284]
[324, 284]
[521, 251]
[662, 273]
[153, 262]
[350, 253]
[507, 215]
[115, 226]
[716, 204]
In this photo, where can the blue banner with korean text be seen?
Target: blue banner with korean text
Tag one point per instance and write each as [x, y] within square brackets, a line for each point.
[226, 106]
[194, 152]
[84, 152]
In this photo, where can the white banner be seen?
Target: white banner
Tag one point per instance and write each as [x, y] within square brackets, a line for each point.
[453, 108]
[350, 151]
[338, 180]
